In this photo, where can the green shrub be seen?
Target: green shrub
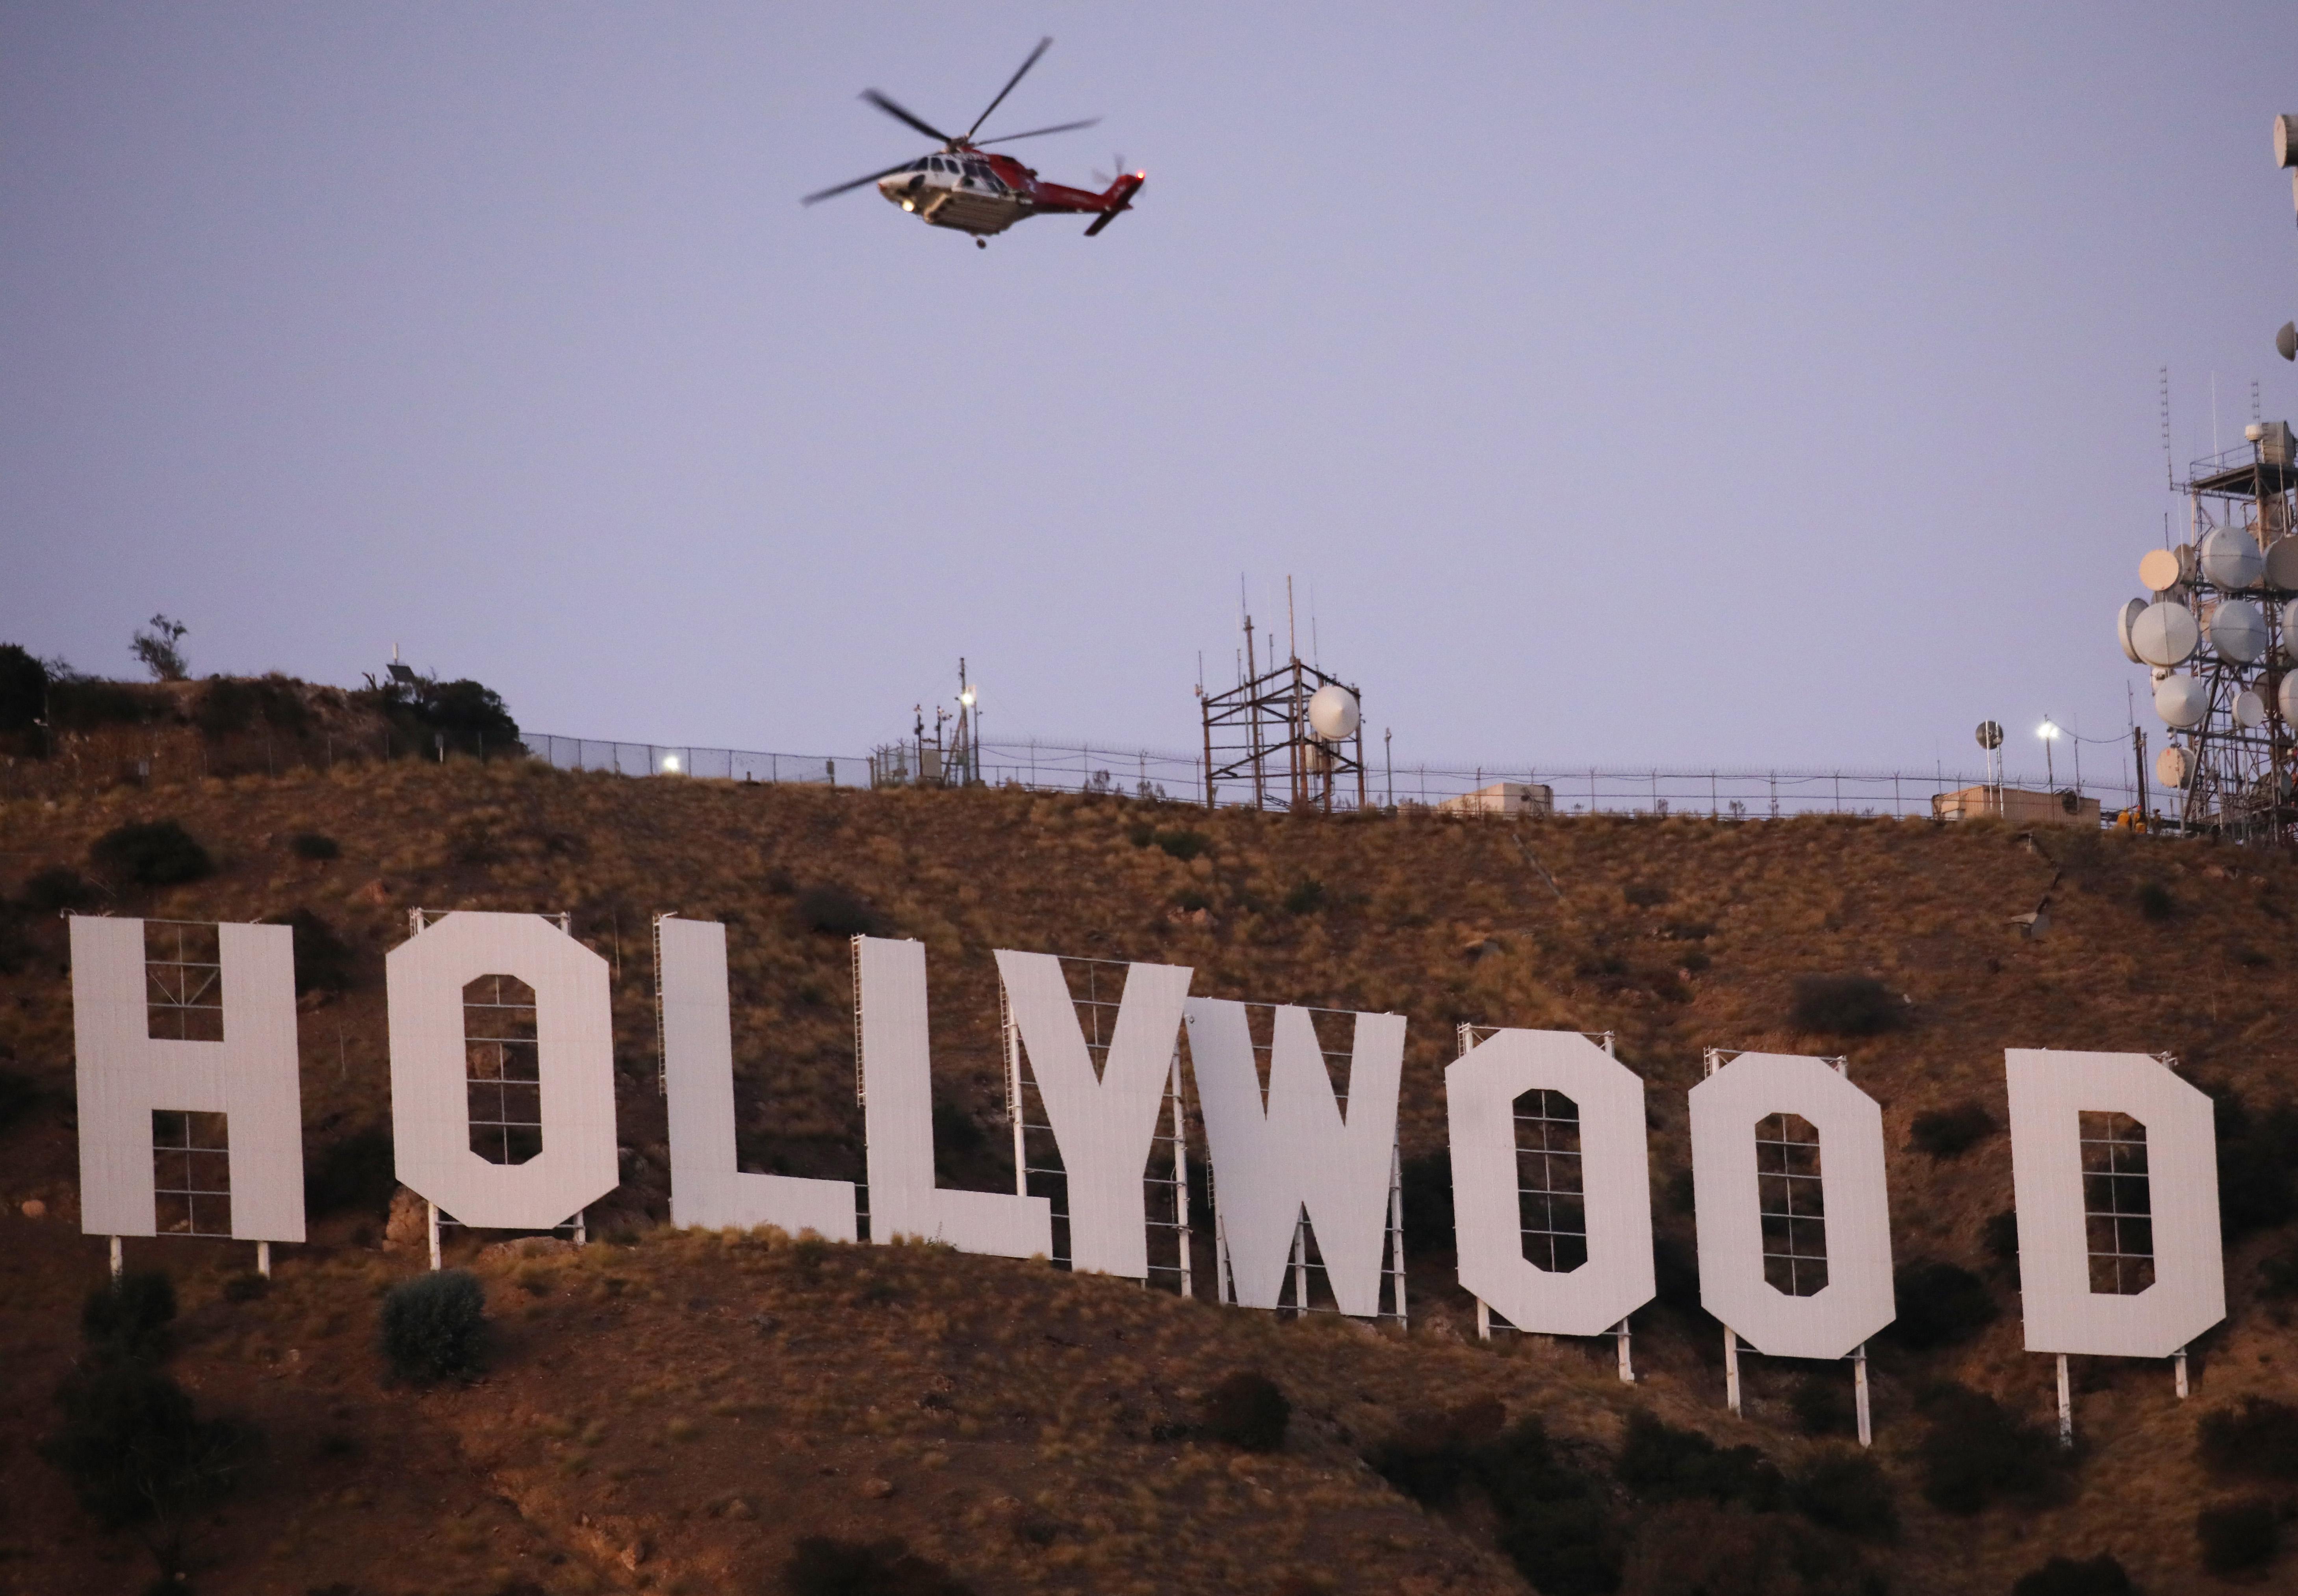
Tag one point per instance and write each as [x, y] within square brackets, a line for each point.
[1946, 1133]
[155, 852]
[84, 704]
[1940, 1305]
[2155, 902]
[2238, 1537]
[356, 1171]
[1975, 1453]
[2258, 1439]
[20, 1094]
[1843, 1005]
[1305, 896]
[1846, 1490]
[323, 959]
[836, 911]
[1645, 895]
[56, 888]
[2278, 1274]
[126, 1319]
[1246, 1410]
[1661, 1463]
[315, 846]
[135, 1448]
[2102, 1576]
[1184, 846]
[1435, 1456]
[1555, 1524]
[826, 1565]
[1821, 1405]
[245, 1287]
[435, 1326]
[2000, 1237]
[23, 696]
[2258, 1165]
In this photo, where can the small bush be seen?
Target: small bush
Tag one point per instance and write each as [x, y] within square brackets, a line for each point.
[356, 1171]
[1645, 895]
[2258, 1439]
[135, 1448]
[1822, 1406]
[1305, 896]
[23, 696]
[56, 888]
[156, 852]
[128, 1319]
[2258, 1165]
[2102, 1576]
[825, 1566]
[1661, 1463]
[1847, 1491]
[245, 1287]
[1940, 1305]
[1184, 846]
[2238, 1537]
[323, 959]
[1946, 1133]
[1555, 1525]
[1843, 1005]
[2000, 1237]
[315, 846]
[2278, 1272]
[1246, 1410]
[434, 1326]
[2155, 902]
[835, 911]
[1436, 1455]
[1975, 1453]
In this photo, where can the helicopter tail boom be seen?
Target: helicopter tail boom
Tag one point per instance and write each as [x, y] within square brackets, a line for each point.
[1116, 199]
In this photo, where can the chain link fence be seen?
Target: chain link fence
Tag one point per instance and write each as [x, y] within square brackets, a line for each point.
[1047, 766]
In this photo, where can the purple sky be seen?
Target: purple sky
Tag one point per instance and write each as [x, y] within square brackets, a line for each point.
[1626, 386]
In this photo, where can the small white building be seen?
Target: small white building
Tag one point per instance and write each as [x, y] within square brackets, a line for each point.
[1504, 797]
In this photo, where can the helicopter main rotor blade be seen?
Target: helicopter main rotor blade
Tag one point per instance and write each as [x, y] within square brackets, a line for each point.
[1038, 132]
[831, 192]
[1043, 45]
[901, 115]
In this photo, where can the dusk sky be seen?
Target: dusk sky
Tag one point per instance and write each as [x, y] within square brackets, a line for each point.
[1620, 384]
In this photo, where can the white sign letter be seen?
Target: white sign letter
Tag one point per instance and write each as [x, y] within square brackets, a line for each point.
[1755, 1206]
[1609, 1175]
[126, 1074]
[431, 1071]
[1270, 1163]
[698, 1043]
[2114, 1161]
[897, 1117]
[1103, 1125]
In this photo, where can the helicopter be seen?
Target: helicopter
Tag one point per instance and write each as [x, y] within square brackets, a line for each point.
[963, 187]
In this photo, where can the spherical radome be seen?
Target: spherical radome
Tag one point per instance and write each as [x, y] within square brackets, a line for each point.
[2231, 557]
[2164, 633]
[1332, 713]
[2238, 631]
[2181, 700]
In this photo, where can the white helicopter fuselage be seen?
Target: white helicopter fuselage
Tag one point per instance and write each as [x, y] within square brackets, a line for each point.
[963, 192]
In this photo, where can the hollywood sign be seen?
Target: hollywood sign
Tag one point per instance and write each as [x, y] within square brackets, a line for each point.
[1289, 1155]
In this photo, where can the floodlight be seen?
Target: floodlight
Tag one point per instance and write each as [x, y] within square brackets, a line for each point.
[2047, 730]
[966, 698]
[670, 765]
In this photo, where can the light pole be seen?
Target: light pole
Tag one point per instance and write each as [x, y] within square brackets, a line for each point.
[2049, 733]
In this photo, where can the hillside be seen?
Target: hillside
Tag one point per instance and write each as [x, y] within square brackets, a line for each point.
[673, 1412]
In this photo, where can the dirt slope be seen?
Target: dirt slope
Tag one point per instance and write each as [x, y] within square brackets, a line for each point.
[673, 1413]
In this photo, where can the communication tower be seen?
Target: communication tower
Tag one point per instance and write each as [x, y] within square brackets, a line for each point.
[950, 757]
[2220, 636]
[1289, 731]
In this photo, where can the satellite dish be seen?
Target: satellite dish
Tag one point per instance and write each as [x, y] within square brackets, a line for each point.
[2290, 631]
[2238, 631]
[1332, 713]
[2159, 570]
[2174, 767]
[2231, 557]
[2285, 342]
[2288, 697]
[2182, 701]
[1990, 735]
[2249, 710]
[2122, 619]
[2282, 564]
[2164, 633]
[2189, 566]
